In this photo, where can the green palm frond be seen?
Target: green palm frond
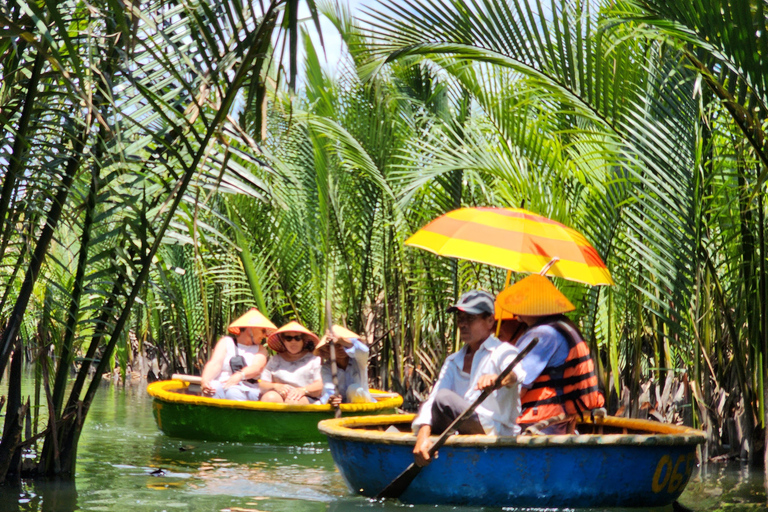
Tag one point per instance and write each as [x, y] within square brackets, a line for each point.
[592, 90]
[727, 43]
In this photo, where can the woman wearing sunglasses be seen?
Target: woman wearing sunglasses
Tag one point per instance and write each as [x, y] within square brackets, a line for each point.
[292, 375]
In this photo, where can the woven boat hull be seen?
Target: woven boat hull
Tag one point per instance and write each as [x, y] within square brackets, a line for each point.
[189, 416]
[647, 468]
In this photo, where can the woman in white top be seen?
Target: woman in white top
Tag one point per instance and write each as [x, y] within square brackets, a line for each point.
[236, 364]
[292, 375]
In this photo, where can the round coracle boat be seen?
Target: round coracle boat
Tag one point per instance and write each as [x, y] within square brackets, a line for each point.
[180, 411]
[611, 462]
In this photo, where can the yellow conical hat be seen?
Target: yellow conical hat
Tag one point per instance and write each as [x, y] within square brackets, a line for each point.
[276, 344]
[252, 318]
[532, 296]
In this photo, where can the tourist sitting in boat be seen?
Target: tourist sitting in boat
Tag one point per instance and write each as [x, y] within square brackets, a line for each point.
[292, 375]
[351, 368]
[465, 374]
[559, 378]
[236, 364]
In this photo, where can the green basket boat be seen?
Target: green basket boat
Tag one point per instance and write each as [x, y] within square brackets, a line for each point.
[180, 411]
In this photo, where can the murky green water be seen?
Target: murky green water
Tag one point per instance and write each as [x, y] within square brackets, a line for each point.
[125, 464]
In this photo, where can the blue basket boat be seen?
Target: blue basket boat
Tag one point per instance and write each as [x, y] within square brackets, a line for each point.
[612, 462]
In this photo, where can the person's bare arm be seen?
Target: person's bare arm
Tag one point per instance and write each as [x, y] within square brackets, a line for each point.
[315, 389]
[510, 379]
[212, 368]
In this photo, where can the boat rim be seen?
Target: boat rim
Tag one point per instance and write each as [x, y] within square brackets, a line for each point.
[662, 434]
[167, 391]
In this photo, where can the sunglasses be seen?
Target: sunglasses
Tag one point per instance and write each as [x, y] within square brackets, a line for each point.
[292, 338]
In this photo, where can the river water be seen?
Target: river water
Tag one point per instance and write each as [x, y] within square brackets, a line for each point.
[126, 464]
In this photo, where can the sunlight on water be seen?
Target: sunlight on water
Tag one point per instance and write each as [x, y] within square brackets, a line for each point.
[125, 464]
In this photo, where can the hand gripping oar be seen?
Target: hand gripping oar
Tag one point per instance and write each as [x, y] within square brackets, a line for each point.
[401, 483]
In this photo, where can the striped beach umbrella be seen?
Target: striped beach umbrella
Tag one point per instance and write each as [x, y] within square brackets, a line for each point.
[515, 239]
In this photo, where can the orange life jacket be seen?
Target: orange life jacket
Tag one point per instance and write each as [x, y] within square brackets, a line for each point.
[570, 387]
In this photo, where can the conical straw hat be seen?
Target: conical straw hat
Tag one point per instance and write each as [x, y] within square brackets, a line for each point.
[252, 318]
[343, 335]
[276, 344]
[532, 296]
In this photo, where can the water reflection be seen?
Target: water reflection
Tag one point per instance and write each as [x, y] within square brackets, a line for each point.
[725, 486]
[125, 464]
[235, 469]
[45, 496]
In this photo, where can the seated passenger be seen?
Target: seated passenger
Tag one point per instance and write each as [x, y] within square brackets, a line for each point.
[292, 375]
[559, 372]
[351, 368]
[236, 364]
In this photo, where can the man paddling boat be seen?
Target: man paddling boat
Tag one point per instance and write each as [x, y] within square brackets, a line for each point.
[466, 374]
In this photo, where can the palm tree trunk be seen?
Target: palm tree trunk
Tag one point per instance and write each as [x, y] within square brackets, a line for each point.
[50, 458]
[752, 310]
[10, 455]
[71, 433]
[20, 149]
[763, 312]
[65, 355]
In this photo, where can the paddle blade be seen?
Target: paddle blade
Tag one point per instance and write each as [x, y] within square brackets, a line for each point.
[401, 483]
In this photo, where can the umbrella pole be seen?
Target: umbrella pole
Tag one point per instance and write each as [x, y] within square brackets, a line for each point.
[546, 267]
[506, 285]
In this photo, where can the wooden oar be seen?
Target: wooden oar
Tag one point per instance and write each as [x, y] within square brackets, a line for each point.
[334, 375]
[192, 379]
[332, 347]
[401, 483]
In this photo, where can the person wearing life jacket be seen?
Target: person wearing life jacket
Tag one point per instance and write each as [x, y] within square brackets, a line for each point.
[559, 372]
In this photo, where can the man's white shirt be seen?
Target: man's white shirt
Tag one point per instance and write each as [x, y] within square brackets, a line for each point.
[498, 413]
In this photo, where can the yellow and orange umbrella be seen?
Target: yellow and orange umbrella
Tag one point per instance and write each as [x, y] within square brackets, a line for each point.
[514, 239]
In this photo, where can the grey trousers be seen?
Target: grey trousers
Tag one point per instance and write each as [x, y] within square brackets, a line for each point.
[448, 406]
[236, 392]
